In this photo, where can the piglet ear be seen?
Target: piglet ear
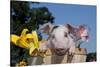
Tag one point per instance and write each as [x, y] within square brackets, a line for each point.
[46, 28]
[83, 32]
[70, 27]
[81, 27]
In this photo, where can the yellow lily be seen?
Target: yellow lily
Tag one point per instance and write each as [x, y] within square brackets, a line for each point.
[27, 41]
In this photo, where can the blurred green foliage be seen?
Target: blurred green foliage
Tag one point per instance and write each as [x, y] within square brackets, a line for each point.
[91, 57]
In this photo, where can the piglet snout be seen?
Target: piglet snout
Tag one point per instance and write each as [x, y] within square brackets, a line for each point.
[60, 51]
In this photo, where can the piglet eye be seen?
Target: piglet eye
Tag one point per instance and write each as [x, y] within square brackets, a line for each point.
[65, 35]
[53, 36]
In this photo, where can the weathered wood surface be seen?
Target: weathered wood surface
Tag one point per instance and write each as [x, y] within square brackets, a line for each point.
[52, 58]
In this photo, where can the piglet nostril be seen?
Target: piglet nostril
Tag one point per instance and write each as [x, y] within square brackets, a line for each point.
[59, 49]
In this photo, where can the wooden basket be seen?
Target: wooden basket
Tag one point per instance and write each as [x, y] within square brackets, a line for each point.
[52, 58]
